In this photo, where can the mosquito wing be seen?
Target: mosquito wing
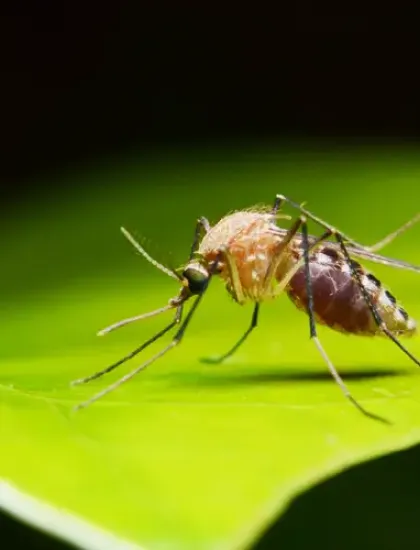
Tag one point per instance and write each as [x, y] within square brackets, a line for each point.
[378, 259]
[359, 253]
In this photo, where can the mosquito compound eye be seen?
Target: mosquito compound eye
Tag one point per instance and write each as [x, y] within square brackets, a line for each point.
[197, 279]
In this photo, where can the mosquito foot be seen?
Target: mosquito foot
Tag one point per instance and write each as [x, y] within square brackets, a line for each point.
[212, 360]
[78, 382]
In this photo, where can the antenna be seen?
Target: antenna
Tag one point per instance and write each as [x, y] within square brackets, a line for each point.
[142, 251]
[136, 318]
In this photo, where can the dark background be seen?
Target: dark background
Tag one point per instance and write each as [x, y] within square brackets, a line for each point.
[80, 82]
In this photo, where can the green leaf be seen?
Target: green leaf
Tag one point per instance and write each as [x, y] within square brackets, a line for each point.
[189, 455]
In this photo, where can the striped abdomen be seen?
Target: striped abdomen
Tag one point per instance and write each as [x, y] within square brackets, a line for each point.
[339, 302]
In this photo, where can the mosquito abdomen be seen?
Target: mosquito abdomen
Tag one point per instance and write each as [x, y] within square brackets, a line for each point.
[339, 302]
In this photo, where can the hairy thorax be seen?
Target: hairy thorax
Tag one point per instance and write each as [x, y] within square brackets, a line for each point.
[253, 242]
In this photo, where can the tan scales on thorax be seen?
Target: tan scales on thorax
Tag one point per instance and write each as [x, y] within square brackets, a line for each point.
[252, 240]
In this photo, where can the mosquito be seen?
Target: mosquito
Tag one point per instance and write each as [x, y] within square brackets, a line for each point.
[258, 261]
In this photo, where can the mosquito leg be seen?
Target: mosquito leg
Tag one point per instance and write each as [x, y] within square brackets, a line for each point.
[202, 225]
[389, 238]
[237, 290]
[319, 221]
[238, 295]
[313, 331]
[274, 264]
[280, 199]
[221, 358]
[175, 341]
[374, 310]
[133, 353]
[298, 265]
[358, 249]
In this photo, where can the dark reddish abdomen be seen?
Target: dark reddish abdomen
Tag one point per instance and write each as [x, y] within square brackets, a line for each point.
[338, 300]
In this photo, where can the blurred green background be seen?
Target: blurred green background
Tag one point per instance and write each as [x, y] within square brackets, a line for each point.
[68, 271]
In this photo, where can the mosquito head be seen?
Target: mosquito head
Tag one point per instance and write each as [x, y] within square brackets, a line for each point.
[195, 277]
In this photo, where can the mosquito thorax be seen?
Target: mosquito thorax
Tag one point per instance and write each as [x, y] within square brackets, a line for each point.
[196, 277]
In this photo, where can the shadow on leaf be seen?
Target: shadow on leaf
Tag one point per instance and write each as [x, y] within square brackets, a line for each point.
[219, 376]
